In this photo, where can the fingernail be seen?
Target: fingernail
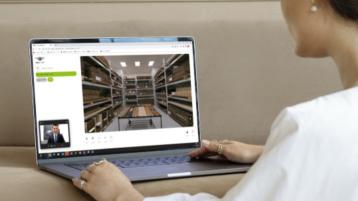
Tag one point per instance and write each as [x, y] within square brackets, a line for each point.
[205, 143]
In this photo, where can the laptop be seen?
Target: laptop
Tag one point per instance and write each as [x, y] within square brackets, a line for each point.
[132, 101]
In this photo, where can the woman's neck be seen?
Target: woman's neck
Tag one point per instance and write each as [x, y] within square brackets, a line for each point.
[348, 67]
[344, 51]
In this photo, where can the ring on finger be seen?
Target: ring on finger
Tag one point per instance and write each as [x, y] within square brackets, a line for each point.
[82, 184]
[220, 149]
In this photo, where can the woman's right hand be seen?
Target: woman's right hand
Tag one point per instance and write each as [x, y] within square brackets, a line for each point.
[231, 150]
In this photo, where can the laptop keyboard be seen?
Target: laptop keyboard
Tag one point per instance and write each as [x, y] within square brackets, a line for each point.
[139, 162]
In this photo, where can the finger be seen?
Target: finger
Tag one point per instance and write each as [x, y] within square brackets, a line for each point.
[225, 142]
[91, 168]
[198, 152]
[77, 182]
[213, 146]
[105, 162]
[85, 174]
[202, 151]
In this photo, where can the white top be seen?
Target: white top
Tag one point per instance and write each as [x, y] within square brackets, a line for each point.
[310, 155]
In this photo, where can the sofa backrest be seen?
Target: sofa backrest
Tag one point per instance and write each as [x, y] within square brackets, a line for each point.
[246, 66]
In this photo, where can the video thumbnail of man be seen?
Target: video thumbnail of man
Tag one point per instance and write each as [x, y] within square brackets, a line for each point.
[54, 134]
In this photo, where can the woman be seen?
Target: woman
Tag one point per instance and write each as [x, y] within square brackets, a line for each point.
[311, 153]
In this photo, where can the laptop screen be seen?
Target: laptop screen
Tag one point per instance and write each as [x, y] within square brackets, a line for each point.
[113, 95]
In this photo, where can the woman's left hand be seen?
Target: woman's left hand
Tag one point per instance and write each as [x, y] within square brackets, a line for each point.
[105, 182]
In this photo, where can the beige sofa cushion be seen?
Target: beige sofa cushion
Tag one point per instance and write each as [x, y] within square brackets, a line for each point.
[20, 179]
[246, 66]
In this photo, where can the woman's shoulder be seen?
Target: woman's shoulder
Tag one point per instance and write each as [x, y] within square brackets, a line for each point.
[335, 101]
[336, 113]
[326, 109]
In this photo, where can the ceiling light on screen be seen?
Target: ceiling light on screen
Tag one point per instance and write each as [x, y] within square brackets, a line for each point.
[151, 63]
[137, 63]
[123, 64]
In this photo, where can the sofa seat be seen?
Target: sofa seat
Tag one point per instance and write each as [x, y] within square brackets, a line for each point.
[22, 180]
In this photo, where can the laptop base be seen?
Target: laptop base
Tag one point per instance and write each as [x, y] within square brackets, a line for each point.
[200, 167]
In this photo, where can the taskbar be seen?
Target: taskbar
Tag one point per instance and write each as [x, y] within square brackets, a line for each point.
[66, 154]
[83, 153]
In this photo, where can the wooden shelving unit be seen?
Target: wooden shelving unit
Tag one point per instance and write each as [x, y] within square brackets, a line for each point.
[117, 94]
[173, 89]
[102, 93]
[161, 90]
[117, 90]
[139, 90]
[131, 91]
[145, 90]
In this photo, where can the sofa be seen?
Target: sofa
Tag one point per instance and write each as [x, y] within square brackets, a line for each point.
[247, 73]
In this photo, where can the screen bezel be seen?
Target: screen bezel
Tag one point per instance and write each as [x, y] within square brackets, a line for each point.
[117, 40]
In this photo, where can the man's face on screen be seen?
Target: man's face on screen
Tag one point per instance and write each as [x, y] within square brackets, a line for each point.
[55, 129]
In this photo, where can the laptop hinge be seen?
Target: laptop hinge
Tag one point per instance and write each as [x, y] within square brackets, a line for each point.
[116, 156]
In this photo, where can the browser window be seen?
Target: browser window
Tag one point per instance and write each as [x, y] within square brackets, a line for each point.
[95, 96]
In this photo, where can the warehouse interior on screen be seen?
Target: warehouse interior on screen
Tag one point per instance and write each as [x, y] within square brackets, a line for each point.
[136, 92]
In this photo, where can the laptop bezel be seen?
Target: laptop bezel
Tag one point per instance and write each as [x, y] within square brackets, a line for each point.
[116, 151]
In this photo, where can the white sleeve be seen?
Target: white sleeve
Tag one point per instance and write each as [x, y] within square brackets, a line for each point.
[265, 176]
[261, 179]
[184, 197]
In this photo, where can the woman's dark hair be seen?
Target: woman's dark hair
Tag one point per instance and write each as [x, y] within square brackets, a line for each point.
[346, 8]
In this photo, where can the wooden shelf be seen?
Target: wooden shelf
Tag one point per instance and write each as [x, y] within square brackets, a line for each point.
[160, 87]
[162, 99]
[159, 73]
[96, 111]
[182, 106]
[180, 99]
[117, 104]
[173, 61]
[131, 100]
[91, 84]
[145, 98]
[94, 59]
[163, 104]
[178, 82]
[162, 79]
[96, 103]
[144, 80]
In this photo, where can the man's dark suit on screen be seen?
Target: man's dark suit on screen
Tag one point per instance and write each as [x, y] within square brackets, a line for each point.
[59, 139]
